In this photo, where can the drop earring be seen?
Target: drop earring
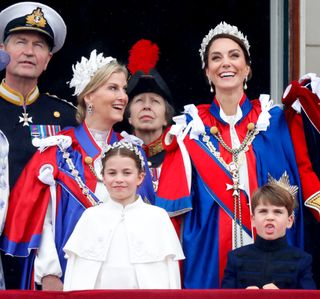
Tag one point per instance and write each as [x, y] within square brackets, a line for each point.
[245, 83]
[90, 109]
[211, 86]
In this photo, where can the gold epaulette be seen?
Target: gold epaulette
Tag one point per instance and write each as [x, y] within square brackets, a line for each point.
[313, 201]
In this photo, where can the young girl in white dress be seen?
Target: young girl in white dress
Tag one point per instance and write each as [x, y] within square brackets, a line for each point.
[123, 243]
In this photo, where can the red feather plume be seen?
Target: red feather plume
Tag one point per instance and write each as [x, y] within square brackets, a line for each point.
[143, 56]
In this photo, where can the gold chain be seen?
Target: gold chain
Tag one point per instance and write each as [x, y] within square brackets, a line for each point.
[233, 168]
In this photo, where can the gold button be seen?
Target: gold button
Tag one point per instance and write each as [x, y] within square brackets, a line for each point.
[88, 160]
[56, 114]
[250, 126]
[214, 130]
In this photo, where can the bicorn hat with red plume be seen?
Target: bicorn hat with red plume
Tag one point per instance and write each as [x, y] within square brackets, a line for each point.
[143, 57]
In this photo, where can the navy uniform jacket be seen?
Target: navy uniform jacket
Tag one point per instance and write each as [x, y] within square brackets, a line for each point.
[266, 262]
[48, 113]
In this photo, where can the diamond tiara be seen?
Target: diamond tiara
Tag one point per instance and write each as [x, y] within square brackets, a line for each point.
[222, 28]
[127, 145]
[84, 70]
[284, 183]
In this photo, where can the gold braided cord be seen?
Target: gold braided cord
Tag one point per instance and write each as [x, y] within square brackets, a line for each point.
[233, 169]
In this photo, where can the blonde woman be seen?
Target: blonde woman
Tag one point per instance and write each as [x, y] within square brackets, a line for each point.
[64, 177]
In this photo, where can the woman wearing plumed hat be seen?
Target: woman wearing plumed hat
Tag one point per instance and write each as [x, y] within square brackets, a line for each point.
[150, 108]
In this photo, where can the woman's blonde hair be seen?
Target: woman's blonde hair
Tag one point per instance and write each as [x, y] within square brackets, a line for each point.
[100, 77]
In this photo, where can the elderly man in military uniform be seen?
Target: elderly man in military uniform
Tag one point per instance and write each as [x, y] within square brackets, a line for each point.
[30, 33]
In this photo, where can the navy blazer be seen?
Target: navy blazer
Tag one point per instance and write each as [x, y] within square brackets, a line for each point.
[268, 261]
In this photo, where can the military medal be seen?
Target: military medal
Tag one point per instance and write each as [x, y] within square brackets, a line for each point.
[25, 116]
[25, 119]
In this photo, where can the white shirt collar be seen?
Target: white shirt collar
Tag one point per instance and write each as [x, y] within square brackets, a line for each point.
[231, 119]
[119, 206]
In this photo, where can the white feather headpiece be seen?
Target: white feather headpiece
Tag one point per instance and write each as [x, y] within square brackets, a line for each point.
[222, 28]
[84, 70]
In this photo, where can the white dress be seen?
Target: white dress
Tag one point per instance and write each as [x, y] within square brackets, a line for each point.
[116, 247]
[47, 260]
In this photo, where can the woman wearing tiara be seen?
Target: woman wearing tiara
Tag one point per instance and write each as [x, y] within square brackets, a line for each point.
[123, 243]
[64, 177]
[217, 155]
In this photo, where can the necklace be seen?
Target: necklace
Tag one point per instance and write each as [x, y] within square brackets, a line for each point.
[85, 190]
[233, 168]
[88, 160]
[25, 116]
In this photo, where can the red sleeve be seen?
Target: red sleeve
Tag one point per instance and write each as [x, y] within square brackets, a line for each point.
[28, 200]
[309, 180]
[172, 168]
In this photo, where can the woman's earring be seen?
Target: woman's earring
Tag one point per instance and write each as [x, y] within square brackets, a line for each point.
[211, 86]
[90, 109]
[245, 83]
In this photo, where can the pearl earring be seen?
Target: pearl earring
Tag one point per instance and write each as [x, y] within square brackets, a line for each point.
[211, 86]
[245, 86]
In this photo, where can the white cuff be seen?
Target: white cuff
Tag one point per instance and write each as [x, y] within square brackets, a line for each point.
[47, 260]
